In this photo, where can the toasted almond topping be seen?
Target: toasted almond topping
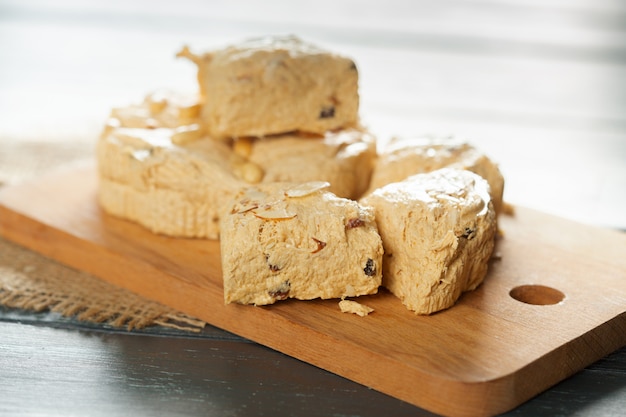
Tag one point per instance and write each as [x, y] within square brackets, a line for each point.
[276, 213]
[254, 194]
[243, 209]
[306, 188]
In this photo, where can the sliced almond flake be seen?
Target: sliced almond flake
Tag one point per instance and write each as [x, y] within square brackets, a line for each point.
[249, 199]
[273, 213]
[306, 188]
[245, 206]
[241, 209]
[254, 194]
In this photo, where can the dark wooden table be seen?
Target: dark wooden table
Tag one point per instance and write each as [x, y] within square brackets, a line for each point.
[540, 85]
[53, 366]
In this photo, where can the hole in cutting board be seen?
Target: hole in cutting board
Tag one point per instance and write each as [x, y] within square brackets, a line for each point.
[537, 295]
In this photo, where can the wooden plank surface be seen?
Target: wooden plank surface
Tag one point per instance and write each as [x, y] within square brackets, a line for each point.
[485, 356]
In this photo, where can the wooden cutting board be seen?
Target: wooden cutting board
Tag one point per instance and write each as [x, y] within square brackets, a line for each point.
[554, 301]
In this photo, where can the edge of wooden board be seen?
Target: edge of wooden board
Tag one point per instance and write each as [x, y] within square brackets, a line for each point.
[91, 246]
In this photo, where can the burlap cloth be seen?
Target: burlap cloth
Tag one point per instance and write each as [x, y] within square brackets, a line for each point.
[32, 282]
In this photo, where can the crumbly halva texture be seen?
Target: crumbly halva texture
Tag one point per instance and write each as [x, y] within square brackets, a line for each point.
[274, 85]
[438, 232]
[349, 306]
[345, 159]
[300, 241]
[261, 159]
[157, 168]
[406, 156]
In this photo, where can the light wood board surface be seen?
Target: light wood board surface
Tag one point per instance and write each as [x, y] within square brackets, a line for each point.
[486, 355]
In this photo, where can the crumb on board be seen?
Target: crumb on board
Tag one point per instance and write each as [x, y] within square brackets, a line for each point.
[353, 307]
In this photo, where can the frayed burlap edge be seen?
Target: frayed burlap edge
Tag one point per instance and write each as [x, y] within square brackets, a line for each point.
[32, 282]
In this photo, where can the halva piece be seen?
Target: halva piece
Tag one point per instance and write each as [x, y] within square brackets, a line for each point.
[157, 168]
[300, 241]
[344, 159]
[275, 85]
[406, 156]
[438, 233]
